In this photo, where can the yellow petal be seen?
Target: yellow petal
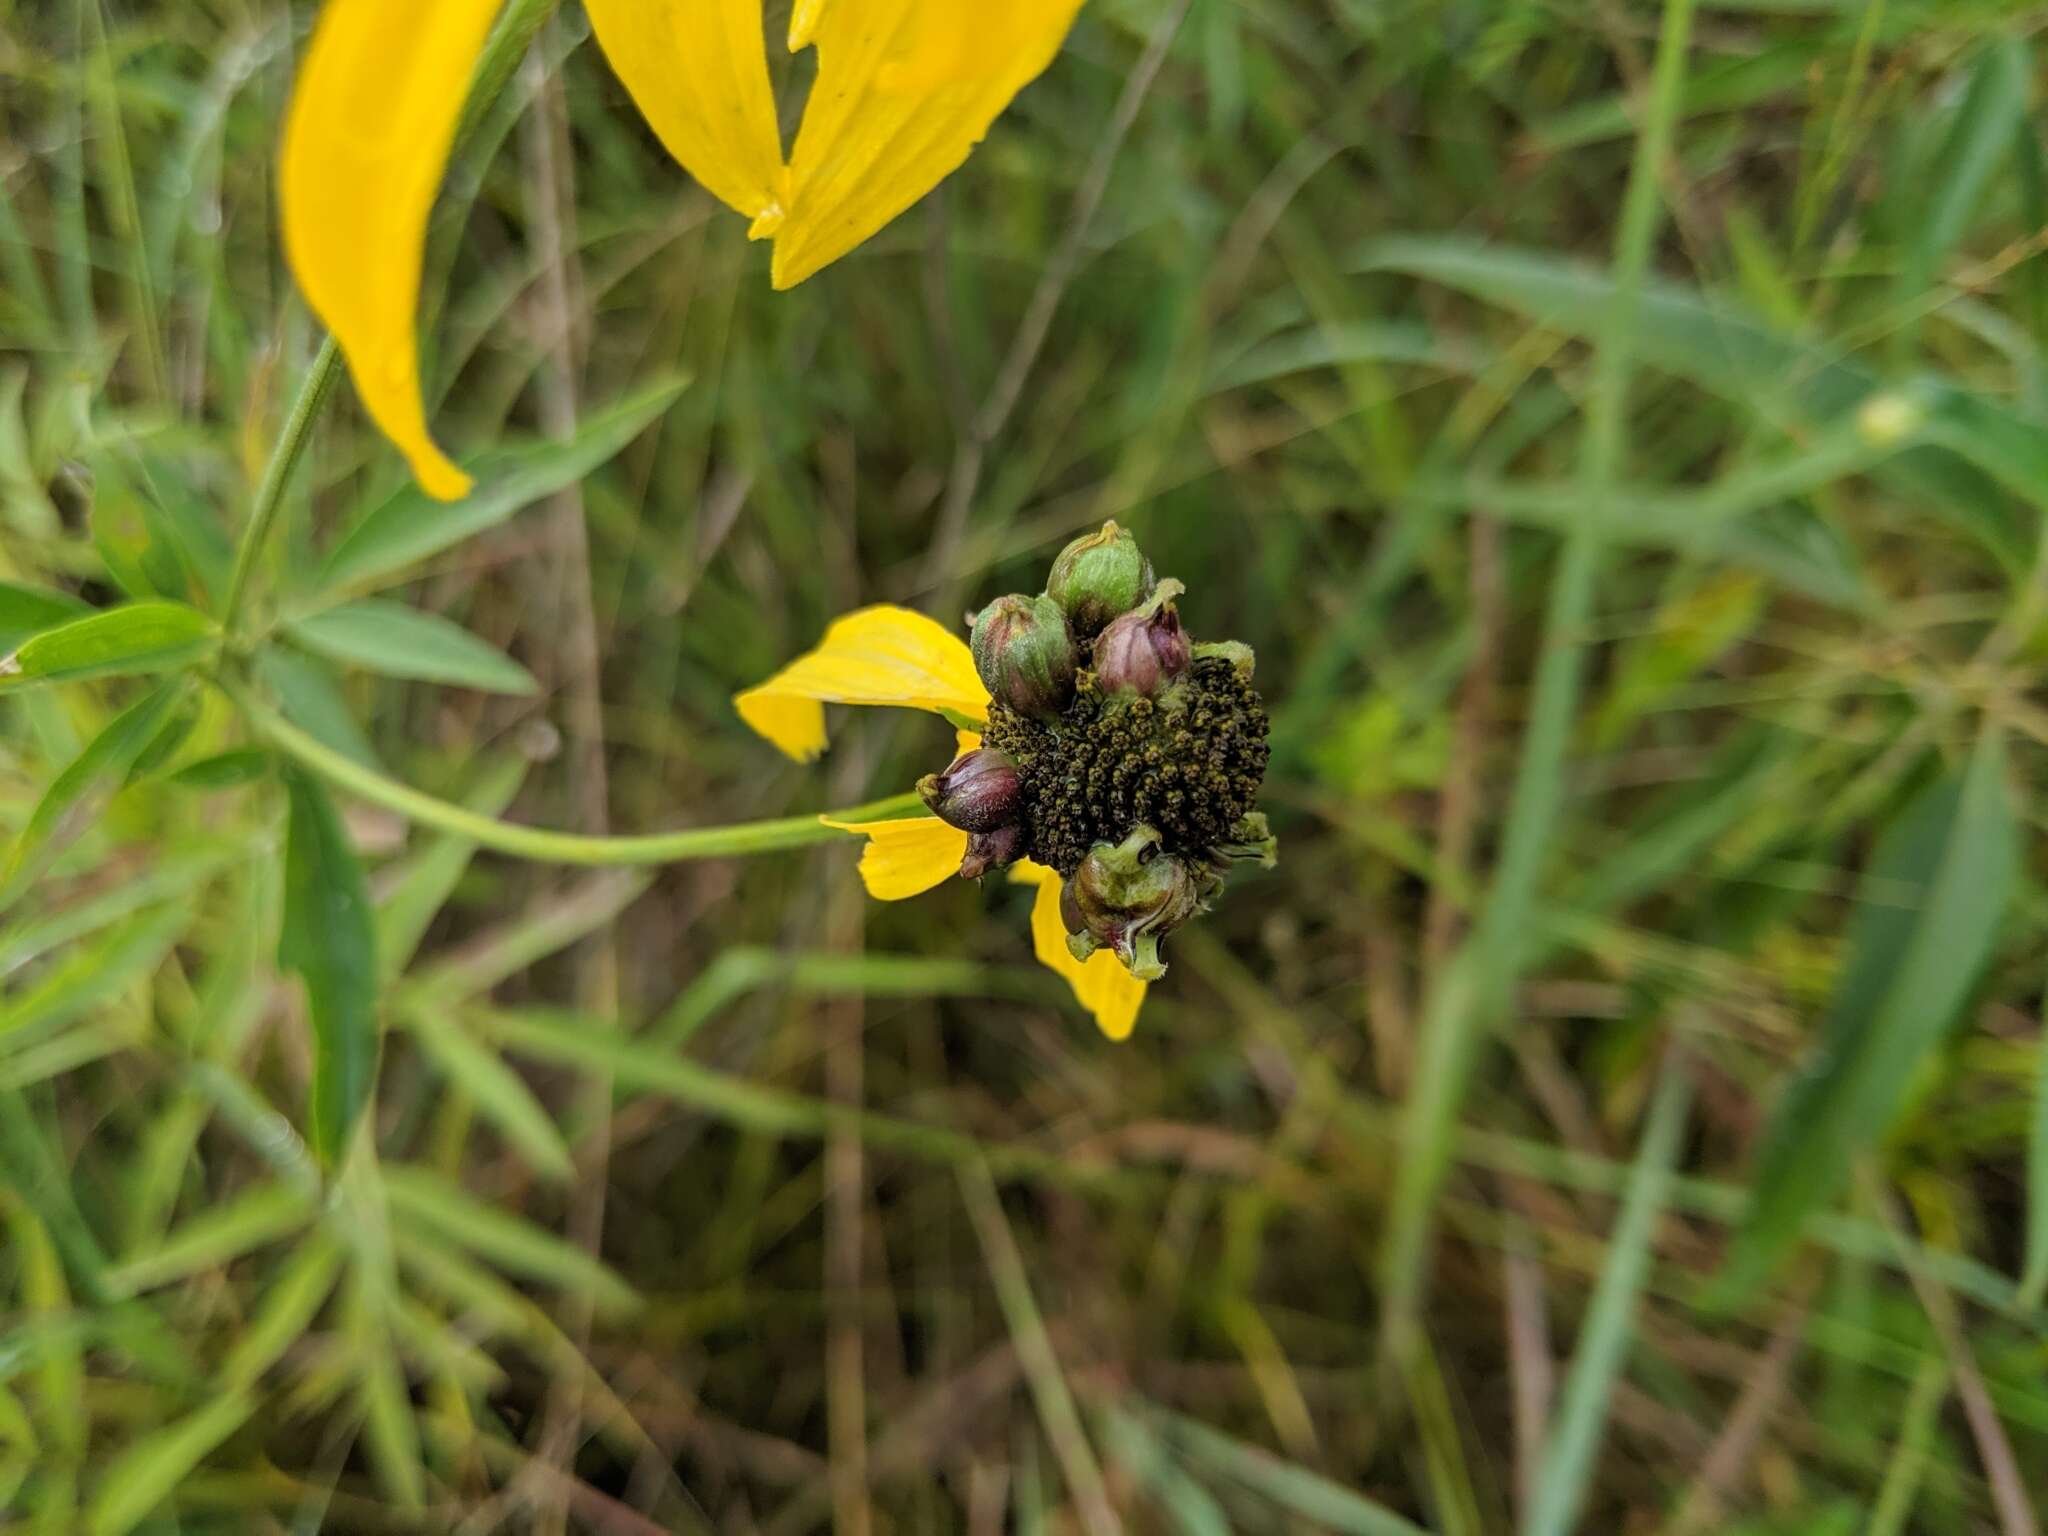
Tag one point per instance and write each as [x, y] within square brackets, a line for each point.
[879, 655]
[906, 858]
[699, 71]
[366, 142]
[1101, 983]
[905, 89]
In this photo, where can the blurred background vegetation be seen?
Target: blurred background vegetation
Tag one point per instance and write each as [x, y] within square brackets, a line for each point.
[1614, 1115]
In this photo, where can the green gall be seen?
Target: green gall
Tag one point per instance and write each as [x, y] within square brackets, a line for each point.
[1024, 655]
[1099, 577]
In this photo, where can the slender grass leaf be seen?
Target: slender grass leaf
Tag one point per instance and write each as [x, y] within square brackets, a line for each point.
[294, 1299]
[217, 1236]
[430, 1202]
[411, 526]
[499, 1092]
[26, 611]
[328, 938]
[1928, 916]
[1722, 346]
[149, 1471]
[399, 641]
[117, 642]
[78, 794]
[1293, 1488]
[1572, 1442]
[2034, 1273]
[91, 976]
[1986, 130]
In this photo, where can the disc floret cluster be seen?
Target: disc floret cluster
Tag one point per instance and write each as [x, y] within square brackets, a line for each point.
[1120, 752]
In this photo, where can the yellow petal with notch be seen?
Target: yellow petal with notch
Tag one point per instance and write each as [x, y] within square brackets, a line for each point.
[366, 143]
[880, 655]
[698, 70]
[906, 858]
[1101, 983]
[905, 90]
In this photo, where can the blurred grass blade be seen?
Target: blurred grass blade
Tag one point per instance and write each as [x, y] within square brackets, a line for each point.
[117, 642]
[411, 526]
[217, 1236]
[89, 977]
[149, 1471]
[1986, 130]
[1296, 1489]
[2034, 1273]
[1572, 1441]
[1927, 919]
[77, 795]
[1188, 1505]
[327, 937]
[401, 641]
[450, 1213]
[499, 1092]
[295, 1297]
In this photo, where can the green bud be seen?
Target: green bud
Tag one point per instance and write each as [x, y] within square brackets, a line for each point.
[1098, 577]
[1128, 896]
[1024, 655]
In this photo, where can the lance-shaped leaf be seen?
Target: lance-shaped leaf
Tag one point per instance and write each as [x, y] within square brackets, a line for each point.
[328, 938]
[1927, 919]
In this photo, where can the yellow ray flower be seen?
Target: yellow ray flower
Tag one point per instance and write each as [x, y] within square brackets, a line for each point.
[905, 90]
[892, 656]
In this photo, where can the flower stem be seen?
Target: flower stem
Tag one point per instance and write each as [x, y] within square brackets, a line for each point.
[745, 837]
[277, 475]
[503, 50]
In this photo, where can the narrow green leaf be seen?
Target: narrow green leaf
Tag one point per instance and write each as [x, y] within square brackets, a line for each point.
[217, 1236]
[79, 793]
[26, 611]
[127, 641]
[1572, 1441]
[1927, 920]
[499, 1092]
[399, 641]
[294, 1299]
[2034, 1272]
[88, 977]
[150, 1470]
[328, 938]
[1296, 1489]
[411, 526]
[224, 770]
[425, 1200]
[1986, 128]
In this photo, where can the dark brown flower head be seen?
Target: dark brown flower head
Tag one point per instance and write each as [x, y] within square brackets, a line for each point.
[1131, 766]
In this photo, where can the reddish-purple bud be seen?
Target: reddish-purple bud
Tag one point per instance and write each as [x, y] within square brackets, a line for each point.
[992, 850]
[980, 792]
[1146, 649]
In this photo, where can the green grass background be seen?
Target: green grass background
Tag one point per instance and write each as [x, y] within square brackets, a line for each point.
[1621, 430]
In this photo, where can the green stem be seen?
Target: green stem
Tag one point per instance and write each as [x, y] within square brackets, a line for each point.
[503, 50]
[277, 475]
[346, 774]
[1477, 987]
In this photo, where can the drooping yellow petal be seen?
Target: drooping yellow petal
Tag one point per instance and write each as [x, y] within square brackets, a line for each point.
[699, 71]
[905, 90]
[881, 655]
[365, 144]
[905, 858]
[1101, 983]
